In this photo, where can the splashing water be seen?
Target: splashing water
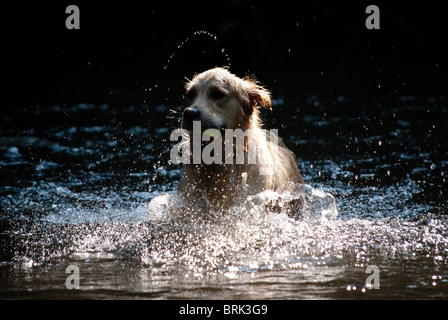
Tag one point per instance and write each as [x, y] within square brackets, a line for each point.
[78, 193]
[196, 34]
[184, 44]
[249, 237]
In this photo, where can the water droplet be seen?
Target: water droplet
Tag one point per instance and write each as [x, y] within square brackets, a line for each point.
[184, 42]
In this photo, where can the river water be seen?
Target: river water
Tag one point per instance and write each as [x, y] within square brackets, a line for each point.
[76, 181]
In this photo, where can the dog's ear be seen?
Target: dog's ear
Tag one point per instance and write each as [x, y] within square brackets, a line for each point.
[257, 95]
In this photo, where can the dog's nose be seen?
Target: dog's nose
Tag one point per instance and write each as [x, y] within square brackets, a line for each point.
[190, 114]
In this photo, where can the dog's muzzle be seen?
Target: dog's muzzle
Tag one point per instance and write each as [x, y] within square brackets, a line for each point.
[189, 115]
[192, 114]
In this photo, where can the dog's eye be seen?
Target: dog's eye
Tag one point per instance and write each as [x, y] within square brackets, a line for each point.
[217, 94]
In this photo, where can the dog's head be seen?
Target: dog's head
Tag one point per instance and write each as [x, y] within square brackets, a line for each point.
[221, 100]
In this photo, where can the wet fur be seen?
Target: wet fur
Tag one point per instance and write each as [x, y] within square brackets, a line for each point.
[237, 106]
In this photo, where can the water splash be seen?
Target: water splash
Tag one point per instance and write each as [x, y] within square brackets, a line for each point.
[392, 212]
[183, 45]
[201, 33]
[257, 234]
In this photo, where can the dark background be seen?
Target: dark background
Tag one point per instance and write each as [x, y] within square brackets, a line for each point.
[297, 47]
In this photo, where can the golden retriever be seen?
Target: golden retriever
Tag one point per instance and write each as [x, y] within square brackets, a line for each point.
[226, 103]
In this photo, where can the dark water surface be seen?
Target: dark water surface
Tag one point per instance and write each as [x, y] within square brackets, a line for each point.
[76, 181]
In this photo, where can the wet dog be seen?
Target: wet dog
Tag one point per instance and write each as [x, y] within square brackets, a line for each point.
[253, 160]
